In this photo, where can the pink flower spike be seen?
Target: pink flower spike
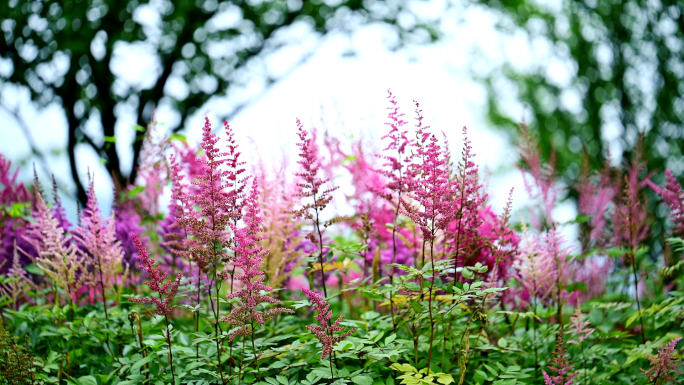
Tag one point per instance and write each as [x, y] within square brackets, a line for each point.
[663, 363]
[326, 331]
[579, 327]
[673, 196]
[248, 255]
[155, 280]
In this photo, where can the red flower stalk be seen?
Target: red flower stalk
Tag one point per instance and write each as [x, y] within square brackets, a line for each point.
[209, 226]
[469, 203]
[311, 187]
[663, 363]
[630, 221]
[673, 196]
[166, 291]
[430, 187]
[327, 329]
[563, 369]
[595, 195]
[155, 280]
[176, 238]
[248, 258]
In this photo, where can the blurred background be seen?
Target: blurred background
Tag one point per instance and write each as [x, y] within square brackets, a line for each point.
[81, 79]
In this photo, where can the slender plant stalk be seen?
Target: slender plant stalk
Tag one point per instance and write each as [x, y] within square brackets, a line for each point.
[168, 341]
[320, 245]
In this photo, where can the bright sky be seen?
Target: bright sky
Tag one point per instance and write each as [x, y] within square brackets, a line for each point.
[350, 90]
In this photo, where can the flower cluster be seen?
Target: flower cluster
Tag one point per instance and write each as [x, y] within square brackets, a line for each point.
[248, 258]
[563, 368]
[673, 196]
[579, 327]
[96, 238]
[155, 280]
[325, 332]
[663, 363]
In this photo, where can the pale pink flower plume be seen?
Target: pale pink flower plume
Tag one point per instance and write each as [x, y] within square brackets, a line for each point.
[663, 364]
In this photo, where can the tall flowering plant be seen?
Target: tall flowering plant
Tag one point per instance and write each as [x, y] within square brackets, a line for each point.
[326, 330]
[166, 291]
[311, 185]
[249, 255]
[96, 238]
[58, 257]
[429, 202]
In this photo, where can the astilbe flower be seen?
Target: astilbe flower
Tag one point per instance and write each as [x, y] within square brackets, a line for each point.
[174, 228]
[543, 184]
[663, 363]
[126, 223]
[596, 192]
[468, 232]
[429, 186]
[562, 369]
[578, 327]
[673, 196]
[504, 242]
[249, 256]
[13, 229]
[373, 196]
[209, 226]
[96, 238]
[325, 332]
[152, 170]
[630, 219]
[57, 209]
[543, 264]
[281, 234]
[17, 289]
[155, 280]
[10, 191]
[311, 187]
[58, 257]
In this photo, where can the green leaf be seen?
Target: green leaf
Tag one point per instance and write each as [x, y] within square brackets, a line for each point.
[110, 139]
[362, 380]
[390, 338]
[577, 286]
[417, 307]
[87, 380]
[142, 362]
[180, 137]
[33, 269]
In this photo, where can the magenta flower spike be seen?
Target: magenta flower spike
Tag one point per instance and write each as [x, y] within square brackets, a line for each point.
[155, 280]
[249, 255]
[673, 196]
[325, 332]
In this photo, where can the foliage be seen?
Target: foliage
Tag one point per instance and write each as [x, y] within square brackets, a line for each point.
[425, 284]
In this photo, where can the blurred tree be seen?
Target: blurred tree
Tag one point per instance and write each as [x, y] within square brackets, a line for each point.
[63, 51]
[627, 78]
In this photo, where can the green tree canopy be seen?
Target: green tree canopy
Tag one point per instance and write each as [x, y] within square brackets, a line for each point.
[628, 76]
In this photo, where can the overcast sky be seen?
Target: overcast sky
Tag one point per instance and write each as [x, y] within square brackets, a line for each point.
[349, 91]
